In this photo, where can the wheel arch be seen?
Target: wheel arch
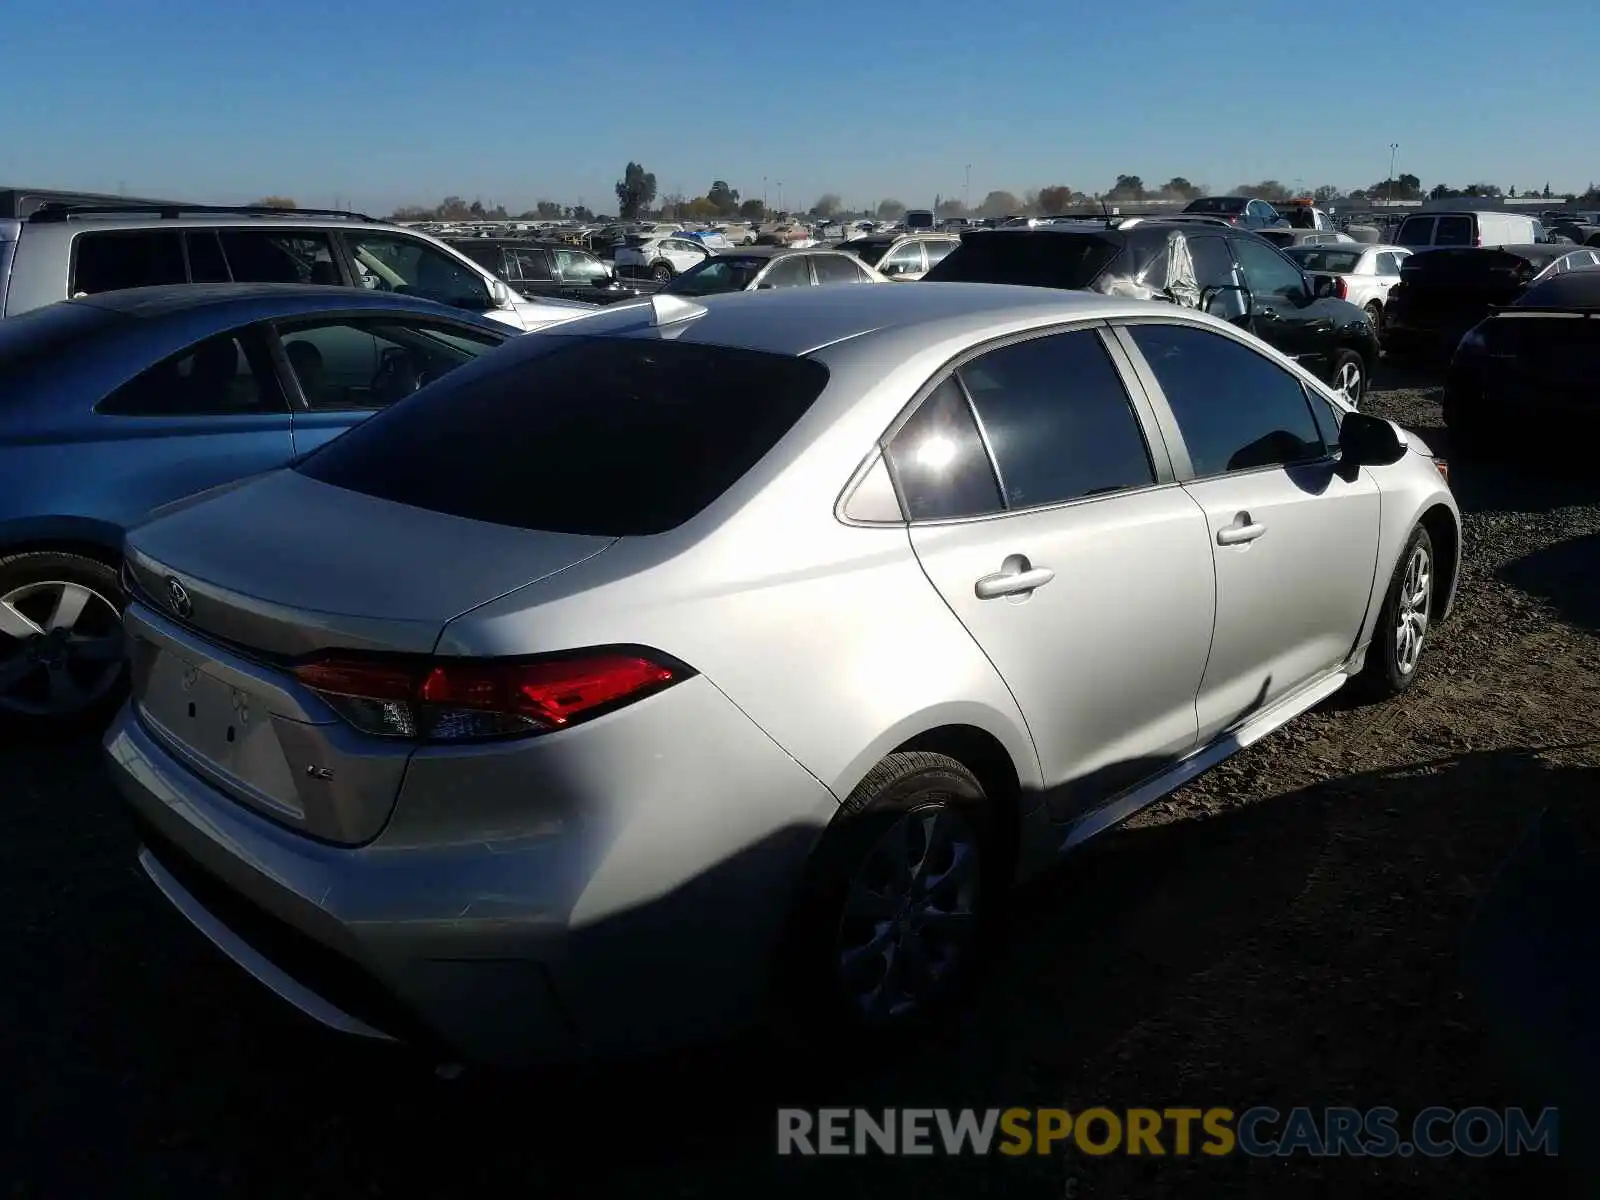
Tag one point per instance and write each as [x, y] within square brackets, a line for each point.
[99, 540]
[1445, 533]
[982, 753]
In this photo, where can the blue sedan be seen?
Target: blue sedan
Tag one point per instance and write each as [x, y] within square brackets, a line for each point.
[115, 404]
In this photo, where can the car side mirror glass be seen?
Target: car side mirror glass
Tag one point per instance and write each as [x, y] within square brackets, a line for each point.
[1369, 441]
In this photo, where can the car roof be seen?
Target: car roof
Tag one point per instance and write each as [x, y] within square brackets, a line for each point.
[1576, 289]
[171, 299]
[798, 321]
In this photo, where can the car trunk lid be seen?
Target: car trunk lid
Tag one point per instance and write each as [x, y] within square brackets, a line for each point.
[235, 589]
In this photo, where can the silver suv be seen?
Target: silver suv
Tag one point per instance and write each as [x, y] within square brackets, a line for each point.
[66, 248]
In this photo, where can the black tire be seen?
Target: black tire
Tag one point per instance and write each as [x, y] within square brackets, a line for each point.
[101, 679]
[1374, 312]
[817, 1007]
[1385, 674]
[1349, 360]
[662, 272]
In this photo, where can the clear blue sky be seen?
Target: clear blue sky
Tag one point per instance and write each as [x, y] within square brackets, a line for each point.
[405, 102]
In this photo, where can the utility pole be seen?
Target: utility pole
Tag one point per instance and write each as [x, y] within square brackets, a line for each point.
[1394, 148]
[966, 192]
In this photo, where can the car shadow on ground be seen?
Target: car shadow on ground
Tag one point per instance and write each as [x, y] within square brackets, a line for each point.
[1184, 959]
[1567, 575]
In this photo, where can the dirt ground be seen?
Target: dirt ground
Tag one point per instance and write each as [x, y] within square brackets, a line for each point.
[1286, 931]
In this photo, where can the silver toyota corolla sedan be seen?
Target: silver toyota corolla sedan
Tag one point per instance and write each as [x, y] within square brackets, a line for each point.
[711, 661]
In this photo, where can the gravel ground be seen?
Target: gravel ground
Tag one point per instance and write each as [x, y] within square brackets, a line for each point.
[1285, 931]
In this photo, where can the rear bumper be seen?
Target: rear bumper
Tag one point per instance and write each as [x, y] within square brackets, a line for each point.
[521, 907]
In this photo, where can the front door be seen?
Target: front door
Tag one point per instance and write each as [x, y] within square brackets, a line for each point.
[1294, 542]
[1086, 580]
[1281, 312]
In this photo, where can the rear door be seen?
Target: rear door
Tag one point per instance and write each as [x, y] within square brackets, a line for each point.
[210, 414]
[1294, 542]
[339, 370]
[1044, 512]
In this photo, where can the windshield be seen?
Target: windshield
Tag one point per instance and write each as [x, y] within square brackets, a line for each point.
[1217, 204]
[725, 273]
[1319, 258]
[870, 252]
[1036, 258]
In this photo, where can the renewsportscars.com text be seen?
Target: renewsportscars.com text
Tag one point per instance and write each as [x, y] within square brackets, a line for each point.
[1260, 1131]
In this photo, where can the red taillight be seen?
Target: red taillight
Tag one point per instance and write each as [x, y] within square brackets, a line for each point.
[1341, 289]
[445, 700]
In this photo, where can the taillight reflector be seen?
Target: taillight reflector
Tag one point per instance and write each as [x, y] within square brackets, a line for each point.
[456, 700]
[1341, 289]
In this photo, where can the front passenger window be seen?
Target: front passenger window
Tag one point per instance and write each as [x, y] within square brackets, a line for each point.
[1236, 409]
[1267, 274]
[388, 262]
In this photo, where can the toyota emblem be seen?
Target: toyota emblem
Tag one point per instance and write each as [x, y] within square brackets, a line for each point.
[178, 597]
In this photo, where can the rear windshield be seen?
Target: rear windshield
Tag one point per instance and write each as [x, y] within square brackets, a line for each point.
[1217, 204]
[1034, 258]
[613, 437]
[1317, 258]
[1415, 231]
[870, 252]
[724, 273]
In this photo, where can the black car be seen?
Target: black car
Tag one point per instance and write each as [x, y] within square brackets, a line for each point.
[1530, 366]
[1228, 272]
[1244, 212]
[1444, 292]
[538, 268]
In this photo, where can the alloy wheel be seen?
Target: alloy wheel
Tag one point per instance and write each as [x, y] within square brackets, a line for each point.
[910, 917]
[1348, 381]
[60, 649]
[1411, 615]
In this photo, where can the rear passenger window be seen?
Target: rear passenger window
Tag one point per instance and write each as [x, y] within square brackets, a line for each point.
[216, 378]
[272, 256]
[1058, 420]
[106, 262]
[1236, 409]
[206, 263]
[836, 268]
[939, 461]
[1453, 231]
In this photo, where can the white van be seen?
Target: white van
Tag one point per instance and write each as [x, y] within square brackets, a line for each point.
[1469, 227]
[919, 219]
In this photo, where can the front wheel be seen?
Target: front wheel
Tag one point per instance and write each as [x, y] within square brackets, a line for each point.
[1374, 313]
[889, 924]
[661, 272]
[1349, 377]
[1395, 653]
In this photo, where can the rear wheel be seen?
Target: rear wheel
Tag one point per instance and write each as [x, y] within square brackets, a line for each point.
[661, 272]
[890, 922]
[61, 647]
[1374, 312]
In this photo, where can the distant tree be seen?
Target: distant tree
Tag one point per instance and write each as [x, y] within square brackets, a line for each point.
[411, 212]
[1358, 194]
[276, 202]
[580, 212]
[1127, 187]
[699, 209]
[1511, 192]
[476, 209]
[752, 210]
[1592, 195]
[636, 191]
[827, 205]
[1546, 192]
[1179, 188]
[453, 208]
[1055, 199]
[890, 210]
[724, 199]
[1269, 190]
[548, 210]
[1485, 190]
[1442, 191]
[944, 209]
[999, 204]
[1030, 202]
[1326, 194]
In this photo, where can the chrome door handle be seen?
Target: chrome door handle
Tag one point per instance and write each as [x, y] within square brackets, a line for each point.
[1016, 577]
[1241, 531]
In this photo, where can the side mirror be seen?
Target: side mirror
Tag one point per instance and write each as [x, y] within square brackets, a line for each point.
[500, 296]
[1368, 441]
